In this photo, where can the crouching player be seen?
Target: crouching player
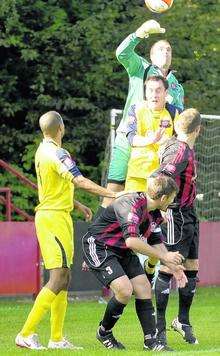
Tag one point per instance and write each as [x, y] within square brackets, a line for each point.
[110, 248]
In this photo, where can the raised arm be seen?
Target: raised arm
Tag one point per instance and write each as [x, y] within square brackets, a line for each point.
[125, 52]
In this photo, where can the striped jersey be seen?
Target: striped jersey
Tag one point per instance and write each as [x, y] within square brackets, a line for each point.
[126, 217]
[178, 160]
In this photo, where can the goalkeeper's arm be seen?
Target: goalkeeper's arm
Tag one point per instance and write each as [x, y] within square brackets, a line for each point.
[125, 52]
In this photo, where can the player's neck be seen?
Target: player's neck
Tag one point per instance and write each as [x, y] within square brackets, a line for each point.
[57, 139]
[164, 71]
[151, 204]
[189, 139]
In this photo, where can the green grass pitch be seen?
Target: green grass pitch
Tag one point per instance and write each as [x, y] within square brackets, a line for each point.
[83, 317]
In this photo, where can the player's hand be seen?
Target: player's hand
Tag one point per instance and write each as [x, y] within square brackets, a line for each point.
[85, 267]
[87, 212]
[166, 216]
[148, 28]
[181, 279]
[174, 258]
[155, 137]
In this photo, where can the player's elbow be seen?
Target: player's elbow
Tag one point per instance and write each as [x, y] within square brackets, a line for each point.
[118, 53]
[130, 242]
[79, 181]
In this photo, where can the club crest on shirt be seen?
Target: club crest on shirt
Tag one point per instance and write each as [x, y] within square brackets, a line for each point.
[173, 86]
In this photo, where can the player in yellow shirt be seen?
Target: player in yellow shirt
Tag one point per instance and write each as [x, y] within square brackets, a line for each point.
[57, 174]
[150, 125]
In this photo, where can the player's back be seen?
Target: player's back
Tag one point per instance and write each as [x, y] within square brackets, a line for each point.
[55, 187]
[178, 160]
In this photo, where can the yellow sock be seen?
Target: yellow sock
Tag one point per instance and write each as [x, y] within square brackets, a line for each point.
[58, 312]
[40, 307]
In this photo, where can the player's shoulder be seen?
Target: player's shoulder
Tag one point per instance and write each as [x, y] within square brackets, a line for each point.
[141, 106]
[173, 146]
[173, 110]
[134, 199]
[171, 77]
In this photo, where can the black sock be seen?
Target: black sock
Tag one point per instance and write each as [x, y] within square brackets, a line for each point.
[146, 316]
[113, 312]
[98, 213]
[162, 290]
[186, 295]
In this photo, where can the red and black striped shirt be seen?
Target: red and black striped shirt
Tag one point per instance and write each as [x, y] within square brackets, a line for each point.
[178, 161]
[126, 217]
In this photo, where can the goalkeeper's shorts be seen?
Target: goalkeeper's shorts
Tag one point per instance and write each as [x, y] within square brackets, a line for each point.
[119, 161]
[55, 235]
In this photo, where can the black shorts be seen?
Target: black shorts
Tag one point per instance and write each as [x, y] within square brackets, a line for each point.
[181, 233]
[107, 263]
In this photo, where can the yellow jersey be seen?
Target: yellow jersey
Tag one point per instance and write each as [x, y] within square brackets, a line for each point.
[144, 160]
[55, 171]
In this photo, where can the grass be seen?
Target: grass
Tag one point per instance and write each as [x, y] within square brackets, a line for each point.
[83, 317]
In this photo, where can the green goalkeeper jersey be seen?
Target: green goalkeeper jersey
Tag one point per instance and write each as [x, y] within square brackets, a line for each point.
[136, 66]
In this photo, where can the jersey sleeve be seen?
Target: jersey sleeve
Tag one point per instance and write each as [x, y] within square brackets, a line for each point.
[128, 213]
[127, 56]
[174, 159]
[131, 129]
[65, 166]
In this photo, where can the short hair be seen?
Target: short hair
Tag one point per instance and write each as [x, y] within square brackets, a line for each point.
[156, 43]
[50, 123]
[157, 78]
[161, 184]
[188, 121]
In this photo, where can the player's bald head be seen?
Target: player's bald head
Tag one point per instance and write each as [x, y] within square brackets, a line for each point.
[50, 123]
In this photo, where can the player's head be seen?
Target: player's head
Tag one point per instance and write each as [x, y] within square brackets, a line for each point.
[155, 91]
[51, 124]
[161, 54]
[188, 123]
[162, 189]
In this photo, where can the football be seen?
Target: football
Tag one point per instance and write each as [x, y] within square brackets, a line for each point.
[158, 6]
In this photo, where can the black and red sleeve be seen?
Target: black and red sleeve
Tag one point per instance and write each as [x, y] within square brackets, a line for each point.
[128, 210]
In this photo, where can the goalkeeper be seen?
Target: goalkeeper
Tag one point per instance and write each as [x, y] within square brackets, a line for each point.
[138, 70]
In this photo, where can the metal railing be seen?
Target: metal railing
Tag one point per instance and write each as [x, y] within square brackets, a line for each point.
[10, 207]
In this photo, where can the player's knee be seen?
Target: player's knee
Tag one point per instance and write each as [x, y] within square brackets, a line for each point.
[125, 292]
[59, 279]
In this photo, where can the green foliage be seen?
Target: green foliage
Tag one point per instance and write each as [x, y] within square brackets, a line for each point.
[60, 55]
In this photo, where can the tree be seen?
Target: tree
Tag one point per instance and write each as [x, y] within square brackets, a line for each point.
[61, 55]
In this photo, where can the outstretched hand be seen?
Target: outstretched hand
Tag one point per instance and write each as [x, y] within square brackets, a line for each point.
[149, 27]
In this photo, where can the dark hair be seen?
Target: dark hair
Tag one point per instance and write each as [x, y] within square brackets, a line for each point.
[157, 78]
[161, 184]
[188, 121]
